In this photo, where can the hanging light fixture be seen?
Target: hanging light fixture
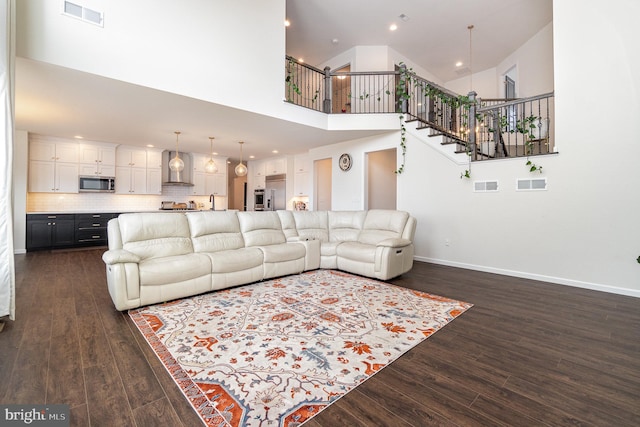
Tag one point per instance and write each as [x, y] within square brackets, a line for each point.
[176, 164]
[241, 169]
[211, 166]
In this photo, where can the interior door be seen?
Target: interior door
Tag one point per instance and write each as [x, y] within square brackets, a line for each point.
[322, 185]
[381, 179]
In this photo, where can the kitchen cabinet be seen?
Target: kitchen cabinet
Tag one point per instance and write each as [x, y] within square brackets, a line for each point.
[131, 156]
[215, 184]
[154, 172]
[131, 180]
[53, 177]
[154, 159]
[91, 228]
[302, 163]
[301, 184]
[275, 166]
[257, 170]
[52, 150]
[205, 183]
[97, 159]
[53, 165]
[154, 181]
[131, 170]
[50, 231]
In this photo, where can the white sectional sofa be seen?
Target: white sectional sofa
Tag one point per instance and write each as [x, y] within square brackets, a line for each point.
[157, 257]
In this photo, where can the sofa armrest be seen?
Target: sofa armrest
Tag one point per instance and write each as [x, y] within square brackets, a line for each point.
[394, 242]
[116, 256]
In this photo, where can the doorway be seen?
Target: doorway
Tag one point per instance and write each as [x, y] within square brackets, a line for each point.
[340, 91]
[381, 179]
[322, 184]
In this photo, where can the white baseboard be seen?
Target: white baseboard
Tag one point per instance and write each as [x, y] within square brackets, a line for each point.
[533, 276]
[19, 251]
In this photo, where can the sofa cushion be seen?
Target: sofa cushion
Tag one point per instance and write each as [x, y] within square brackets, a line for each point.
[381, 224]
[356, 251]
[312, 225]
[215, 231]
[173, 269]
[288, 224]
[283, 252]
[261, 228]
[155, 235]
[235, 260]
[345, 225]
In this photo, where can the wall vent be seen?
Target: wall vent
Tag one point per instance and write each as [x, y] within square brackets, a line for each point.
[535, 184]
[85, 14]
[485, 186]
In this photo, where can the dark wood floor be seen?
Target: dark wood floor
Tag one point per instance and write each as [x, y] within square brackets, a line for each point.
[528, 353]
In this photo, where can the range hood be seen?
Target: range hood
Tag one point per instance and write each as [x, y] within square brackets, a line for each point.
[178, 179]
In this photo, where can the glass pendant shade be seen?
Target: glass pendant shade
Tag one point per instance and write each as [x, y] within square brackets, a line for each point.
[210, 166]
[176, 164]
[241, 169]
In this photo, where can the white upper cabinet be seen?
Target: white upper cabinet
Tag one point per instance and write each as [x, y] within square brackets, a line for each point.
[53, 165]
[275, 166]
[97, 159]
[131, 156]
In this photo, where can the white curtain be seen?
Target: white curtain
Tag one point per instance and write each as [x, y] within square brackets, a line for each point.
[7, 270]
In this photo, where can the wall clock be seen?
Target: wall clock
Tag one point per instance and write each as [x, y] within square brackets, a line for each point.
[345, 162]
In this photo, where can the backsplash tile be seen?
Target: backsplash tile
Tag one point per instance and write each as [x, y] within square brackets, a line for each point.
[109, 202]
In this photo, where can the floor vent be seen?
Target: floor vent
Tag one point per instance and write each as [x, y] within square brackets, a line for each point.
[485, 186]
[535, 184]
[82, 13]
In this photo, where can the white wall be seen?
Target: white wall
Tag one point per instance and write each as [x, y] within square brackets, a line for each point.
[583, 230]
[533, 61]
[225, 51]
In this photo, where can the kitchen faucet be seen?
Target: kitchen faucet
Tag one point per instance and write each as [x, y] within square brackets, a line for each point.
[212, 199]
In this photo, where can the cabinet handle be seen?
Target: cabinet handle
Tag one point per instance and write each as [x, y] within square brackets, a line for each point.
[95, 225]
[95, 237]
[95, 216]
[51, 217]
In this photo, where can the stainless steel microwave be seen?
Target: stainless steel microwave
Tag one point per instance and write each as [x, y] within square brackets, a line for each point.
[96, 184]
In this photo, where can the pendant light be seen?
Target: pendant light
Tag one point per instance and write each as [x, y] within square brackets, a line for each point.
[176, 164]
[241, 169]
[210, 166]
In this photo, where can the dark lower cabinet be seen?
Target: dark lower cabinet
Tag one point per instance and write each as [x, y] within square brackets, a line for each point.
[50, 231]
[91, 229]
[55, 231]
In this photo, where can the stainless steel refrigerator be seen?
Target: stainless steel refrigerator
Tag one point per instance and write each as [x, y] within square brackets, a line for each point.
[275, 192]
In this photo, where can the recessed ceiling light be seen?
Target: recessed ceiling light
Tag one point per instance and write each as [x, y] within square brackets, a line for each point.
[393, 27]
[335, 41]
[300, 60]
[79, 137]
[459, 64]
[275, 151]
[287, 23]
[150, 145]
[252, 157]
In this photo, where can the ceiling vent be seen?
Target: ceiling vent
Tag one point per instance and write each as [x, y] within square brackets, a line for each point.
[80, 12]
[535, 184]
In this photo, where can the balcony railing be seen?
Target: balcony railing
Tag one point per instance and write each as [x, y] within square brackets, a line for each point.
[503, 128]
[515, 128]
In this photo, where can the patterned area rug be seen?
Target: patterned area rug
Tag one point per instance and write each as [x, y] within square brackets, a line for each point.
[277, 352]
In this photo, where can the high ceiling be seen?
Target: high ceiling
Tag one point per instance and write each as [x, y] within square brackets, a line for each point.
[56, 101]
[434, 33]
